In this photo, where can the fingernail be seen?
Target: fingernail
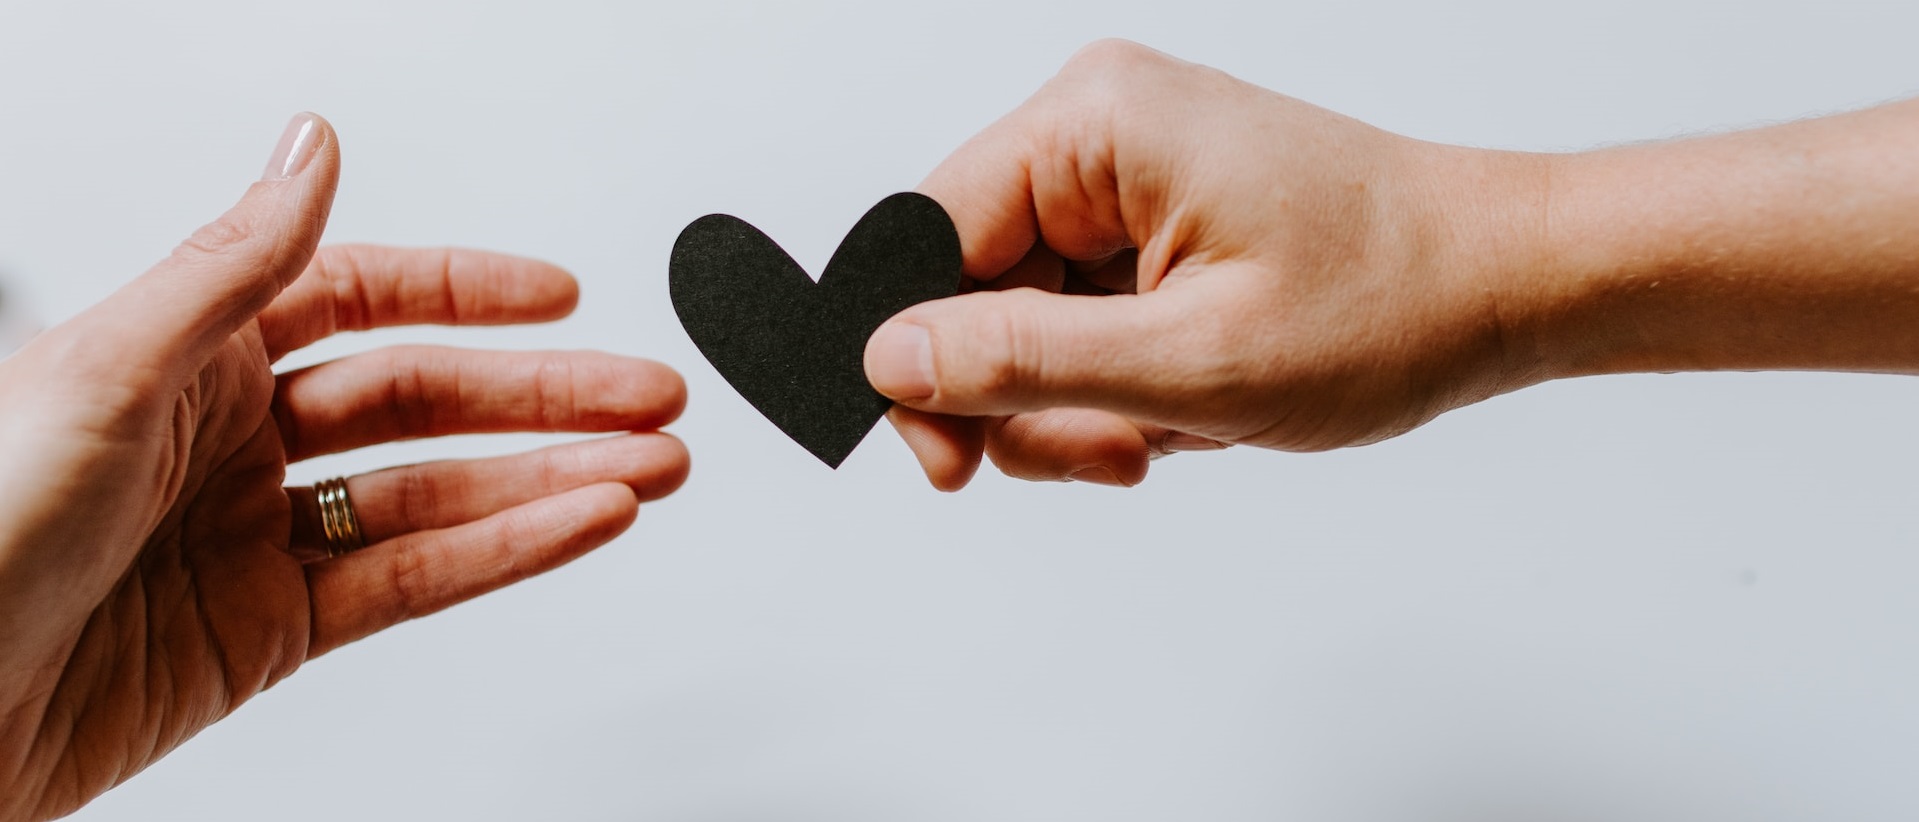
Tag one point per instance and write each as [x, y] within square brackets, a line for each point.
[1097, 475]
[1190, 442]
[900, 361]
[296, 148]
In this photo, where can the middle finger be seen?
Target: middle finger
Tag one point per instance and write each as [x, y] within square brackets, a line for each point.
[411, 392]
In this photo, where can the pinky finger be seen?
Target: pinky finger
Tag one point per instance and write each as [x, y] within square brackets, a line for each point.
[1084, 444]
[408, 577]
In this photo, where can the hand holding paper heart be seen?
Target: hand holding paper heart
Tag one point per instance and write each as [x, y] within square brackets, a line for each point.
[1237, 267]
[791, 346]
[1211, 263]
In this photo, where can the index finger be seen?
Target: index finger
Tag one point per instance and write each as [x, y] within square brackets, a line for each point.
[1050, 171]
[359, 287]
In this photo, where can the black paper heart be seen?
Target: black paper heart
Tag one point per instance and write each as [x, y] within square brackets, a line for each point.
[793, 347]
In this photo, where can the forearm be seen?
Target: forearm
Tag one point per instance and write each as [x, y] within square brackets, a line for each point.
[1791, 247]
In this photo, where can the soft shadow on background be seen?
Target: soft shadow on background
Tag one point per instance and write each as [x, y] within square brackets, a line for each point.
[1645, 598]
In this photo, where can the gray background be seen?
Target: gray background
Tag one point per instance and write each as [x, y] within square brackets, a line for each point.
[1658, 597]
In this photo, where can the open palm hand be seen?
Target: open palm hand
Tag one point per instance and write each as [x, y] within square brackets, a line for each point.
[155, 572]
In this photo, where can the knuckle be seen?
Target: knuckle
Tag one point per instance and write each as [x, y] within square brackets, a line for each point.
[447, 291]
[409, 396]
[229, 233]
[1101, 89]
[519, 530]
[1108, 55]
[339, 270]
[260, 240]
[1094, 81]
[419, 494]
[352, 309]
[556, 399]
[557, 471]
[1009, 350]
[1111, 73]
[410, 577]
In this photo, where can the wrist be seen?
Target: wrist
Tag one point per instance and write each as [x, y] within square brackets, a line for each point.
[1487, 213]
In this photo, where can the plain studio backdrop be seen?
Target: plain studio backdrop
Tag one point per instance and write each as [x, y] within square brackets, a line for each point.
[1639, 598]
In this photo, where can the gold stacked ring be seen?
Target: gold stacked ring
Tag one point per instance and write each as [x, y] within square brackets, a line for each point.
[339, 525]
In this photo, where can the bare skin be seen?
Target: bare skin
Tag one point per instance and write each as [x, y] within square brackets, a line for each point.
[1170, 259]
[155, 573]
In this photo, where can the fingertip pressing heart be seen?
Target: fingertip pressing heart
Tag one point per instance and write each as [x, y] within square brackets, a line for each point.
[899, 361]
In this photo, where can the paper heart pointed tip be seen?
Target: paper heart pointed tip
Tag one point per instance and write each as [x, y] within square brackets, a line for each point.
[793, 347]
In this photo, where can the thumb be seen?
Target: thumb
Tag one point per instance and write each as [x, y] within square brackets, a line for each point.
[175, 316]
[992, 353]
